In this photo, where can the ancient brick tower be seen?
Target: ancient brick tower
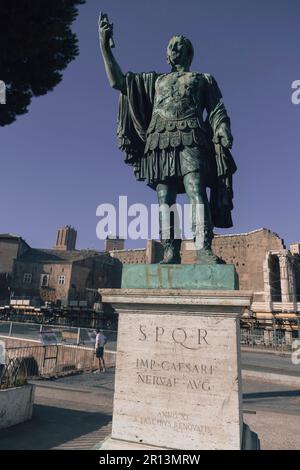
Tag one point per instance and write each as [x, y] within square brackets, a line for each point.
[66, 239]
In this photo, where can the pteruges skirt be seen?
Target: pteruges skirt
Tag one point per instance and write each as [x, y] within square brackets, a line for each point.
[172, 164]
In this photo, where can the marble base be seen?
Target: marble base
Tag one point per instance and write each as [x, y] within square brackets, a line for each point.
[178, 374]
[250, 442]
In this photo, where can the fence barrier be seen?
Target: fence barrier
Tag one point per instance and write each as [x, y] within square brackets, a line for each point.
[65, 334]
[49, 361]
[270, 339]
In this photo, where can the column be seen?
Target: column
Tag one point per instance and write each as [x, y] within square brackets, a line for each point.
[267, 285]
[284, 277]
[288, 337]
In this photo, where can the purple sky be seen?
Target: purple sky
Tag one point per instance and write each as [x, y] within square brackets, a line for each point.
[60, 161]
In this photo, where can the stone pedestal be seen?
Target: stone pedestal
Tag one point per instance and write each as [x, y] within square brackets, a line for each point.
[179, 276]
[178, 374]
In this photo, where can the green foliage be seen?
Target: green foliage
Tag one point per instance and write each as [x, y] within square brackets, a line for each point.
[20, 381]
[36, 44]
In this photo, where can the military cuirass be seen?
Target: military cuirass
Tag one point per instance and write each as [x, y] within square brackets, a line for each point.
[176, 95]
[177, 111]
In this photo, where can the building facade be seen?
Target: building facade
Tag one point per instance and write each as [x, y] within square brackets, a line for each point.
[263, 263]
[11, 247]
[59, 275]
[54, 275]
[247, 251]
[264, 266]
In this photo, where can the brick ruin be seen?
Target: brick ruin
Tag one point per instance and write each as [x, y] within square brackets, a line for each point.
[247, 251]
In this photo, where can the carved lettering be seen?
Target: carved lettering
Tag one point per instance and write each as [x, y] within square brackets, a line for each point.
[198, 384]
[184, 367]
[202, 335]
[143, 333]
[185, 337]
[179, 336]
[158, 380]
[179, 422]
[159, 332]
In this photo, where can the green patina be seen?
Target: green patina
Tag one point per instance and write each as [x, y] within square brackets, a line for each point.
[184, 276]
[164, 135]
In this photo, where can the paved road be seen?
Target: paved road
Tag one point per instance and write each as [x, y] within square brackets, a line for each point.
[69, 413]
[75, 413]
[268, 362]
[277, 417]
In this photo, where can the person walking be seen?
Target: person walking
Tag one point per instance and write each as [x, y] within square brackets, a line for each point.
[101, 341]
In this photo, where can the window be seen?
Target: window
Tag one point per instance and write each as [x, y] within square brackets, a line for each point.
[44, 280]
[27, 278]
[61, 280]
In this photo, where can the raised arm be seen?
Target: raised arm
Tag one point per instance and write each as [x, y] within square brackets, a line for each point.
[114, 73]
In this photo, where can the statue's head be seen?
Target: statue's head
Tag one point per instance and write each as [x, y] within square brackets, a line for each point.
[180, 51]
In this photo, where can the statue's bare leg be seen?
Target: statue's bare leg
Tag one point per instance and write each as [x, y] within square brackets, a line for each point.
[202, 226]
[166, 194]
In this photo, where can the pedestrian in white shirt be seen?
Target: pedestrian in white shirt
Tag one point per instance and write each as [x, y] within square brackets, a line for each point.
[101, 341]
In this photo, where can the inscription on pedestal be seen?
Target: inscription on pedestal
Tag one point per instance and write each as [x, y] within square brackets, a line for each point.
[150, 372]
[177, 381]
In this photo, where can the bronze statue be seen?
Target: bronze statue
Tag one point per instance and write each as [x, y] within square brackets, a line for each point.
[162, 133]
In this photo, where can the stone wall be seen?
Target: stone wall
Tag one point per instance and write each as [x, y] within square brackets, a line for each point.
[8, 252]
[295, 248]
[11, 247]
[78, 282]
[51, 292]
[91, 272]
[247, 251]
[137, 256]
[112, 244]
[16, 405]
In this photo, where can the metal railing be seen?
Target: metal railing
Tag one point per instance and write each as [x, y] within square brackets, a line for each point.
[50, 361]
[64, 334]
[275, 338]
[60, 317]
[266, 339]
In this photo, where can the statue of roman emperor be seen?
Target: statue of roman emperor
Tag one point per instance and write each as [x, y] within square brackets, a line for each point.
[163, 134]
